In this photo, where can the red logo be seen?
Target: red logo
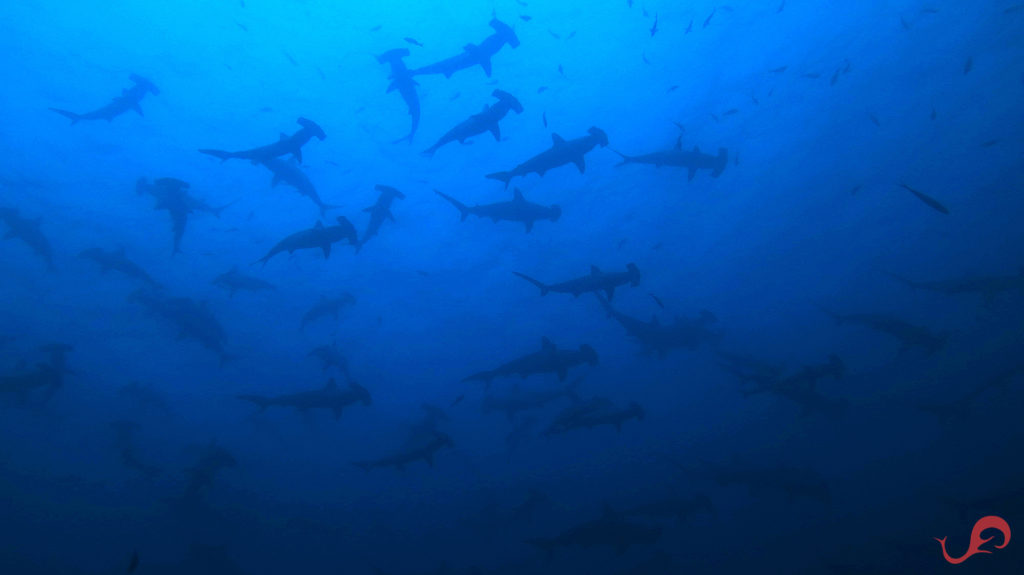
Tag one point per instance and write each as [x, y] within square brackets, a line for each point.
[989, 522]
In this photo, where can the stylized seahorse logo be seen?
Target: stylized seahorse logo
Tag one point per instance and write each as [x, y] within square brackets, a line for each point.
[989, 522]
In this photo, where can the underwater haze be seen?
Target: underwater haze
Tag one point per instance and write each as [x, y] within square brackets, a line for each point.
[621, 287]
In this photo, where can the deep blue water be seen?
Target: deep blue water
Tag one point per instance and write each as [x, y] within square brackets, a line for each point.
[817, 370]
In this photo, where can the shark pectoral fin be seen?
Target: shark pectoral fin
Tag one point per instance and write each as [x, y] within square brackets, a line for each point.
[486, 65]
[529, 225]
[679, 142]
[327, 251]
[298, 155]
[337, 413]
[138, 109]
[581, 164]
[496, 130]
[390, 216]
[690, 174]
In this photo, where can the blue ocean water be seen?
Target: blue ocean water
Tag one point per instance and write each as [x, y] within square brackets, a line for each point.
[777, 244]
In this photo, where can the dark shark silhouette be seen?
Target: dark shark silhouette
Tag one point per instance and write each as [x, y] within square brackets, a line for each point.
[379, 212]
[593, 413]
[329, 397]
[234, 281]
[423, 450]
[597, 281]
[290, 173]
[793, 482]
[285, 145]
[475, 55]
[116, 260]
[317, 237]
[171, 194]
[327, 306]
[988, 286]
[517, 210]
[549, 359]
[193, 319]
[560, 153]
[486, 121]
[611, 530]
[519, 400]
[401, 80]
[677, 157]
[655, 337]
[909, 334]
[200, 476]
[330, 356]
[28, 231]
[128, 100]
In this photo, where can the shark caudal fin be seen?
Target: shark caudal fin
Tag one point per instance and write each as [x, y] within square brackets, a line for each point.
[625, 159]
[721, 161]
[224, 155]
[505, 177]
[69, 115]
[463, 209]
[543, 287]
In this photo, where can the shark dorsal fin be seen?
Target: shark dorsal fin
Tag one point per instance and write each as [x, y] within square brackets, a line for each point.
[557, 140]
[331, 384]
[319, 225]
[517, 195]
[595, 271]
[546, 345]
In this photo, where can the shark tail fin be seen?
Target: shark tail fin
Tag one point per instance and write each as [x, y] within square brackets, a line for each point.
[625, 159]
[463, 209]
[721, 161]
[69, 115]
[405, 138]
[543, 287]
[505, 177]
[222, 154]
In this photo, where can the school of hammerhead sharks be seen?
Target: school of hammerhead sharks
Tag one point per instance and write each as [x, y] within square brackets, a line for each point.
[283, 159]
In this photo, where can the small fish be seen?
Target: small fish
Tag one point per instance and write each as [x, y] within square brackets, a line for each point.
[376, 28]
[654, 28]
[561, 71]
[658, 246]
[644, 57]
[455, 96]
[133, 563]
[754, 99]
[715, 118]
[989, 143]
[846, 67]
[930, 201]
[542, 89]
[521, 3]
[730, 112]
[544, 117]
[322, 75]
[874, 119]
[554, 34]
[968, 65]
[904, 23]
[629, 3]
[645, 13]
[778, 70]
[525, 18]
[689, 27]
[240, 25]
[782, 7]
[929, 10]
[1014, 8]
[571, 35]
[811, 75]
[710, 16]
[656, 300]
[289, 56]
[672, 88]
[835, 77]
[458, 400]
[853, 191]
[933, 114]
[622, 243]
[423, 273]
[682, 128]
[413, 41]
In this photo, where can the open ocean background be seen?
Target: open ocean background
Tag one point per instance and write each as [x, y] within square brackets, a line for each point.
[126, 449]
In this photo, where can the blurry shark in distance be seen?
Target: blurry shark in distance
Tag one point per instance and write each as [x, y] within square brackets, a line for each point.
[327, 306]
[517, 210]
[128, 100]
[285, 145]
[612, 529]
[549, 359]
[329, 397]
[658, 338]
[28, 231]
[402, 81]
[116, 260]
[677, 157]
[425, 450]
[597, 281]
[380, 211]
[233, 280]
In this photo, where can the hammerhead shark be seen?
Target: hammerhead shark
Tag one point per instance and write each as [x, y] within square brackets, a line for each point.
[116, 260]
[401, 80]
[328, 397]
[319, 236]
[380, 211]
[909, 334]
[518, 210]
[660, 338]
[549, 359]
[233, 280]
[424, 450]
[475, 55]
[595, 412]
[597, 281]
[291, 174]
[285, 145]
[677, 157]
[610, 530]
[485, 121]
[171, 194]
[327, 306]
[128, 100]
[988, 286]
[561, 152]
[28, 231]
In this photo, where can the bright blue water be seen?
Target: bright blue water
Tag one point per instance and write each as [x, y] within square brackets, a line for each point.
[808, 212]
